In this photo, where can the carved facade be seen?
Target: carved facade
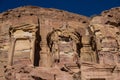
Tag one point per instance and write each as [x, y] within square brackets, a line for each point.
[60, 45]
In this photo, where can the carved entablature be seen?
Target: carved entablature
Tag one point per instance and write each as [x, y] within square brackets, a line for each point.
[23, 31]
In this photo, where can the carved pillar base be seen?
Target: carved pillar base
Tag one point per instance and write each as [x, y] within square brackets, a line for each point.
[45, 56]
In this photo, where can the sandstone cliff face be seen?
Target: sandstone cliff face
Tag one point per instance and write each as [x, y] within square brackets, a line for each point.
[108, 24]
[37, 11]
[18, 16]
[107, 31]
[76, 44]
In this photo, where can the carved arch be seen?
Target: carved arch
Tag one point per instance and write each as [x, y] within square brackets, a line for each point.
[58, 34]
[68, 35]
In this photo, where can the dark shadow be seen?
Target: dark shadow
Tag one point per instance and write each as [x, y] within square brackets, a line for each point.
[37, 78]
[98, 79]
[37, 46]
[79, 45]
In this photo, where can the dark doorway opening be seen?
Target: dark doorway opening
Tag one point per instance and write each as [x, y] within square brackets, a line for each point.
[98, 79]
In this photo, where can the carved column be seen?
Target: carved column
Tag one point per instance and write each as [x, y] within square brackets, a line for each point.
[45, 55]
[11, 52]
[55, 52]
[32, 53]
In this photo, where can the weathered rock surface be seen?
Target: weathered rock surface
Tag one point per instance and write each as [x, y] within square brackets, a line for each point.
[49, 44]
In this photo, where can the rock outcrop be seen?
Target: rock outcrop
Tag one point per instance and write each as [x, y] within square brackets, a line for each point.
[49, 44]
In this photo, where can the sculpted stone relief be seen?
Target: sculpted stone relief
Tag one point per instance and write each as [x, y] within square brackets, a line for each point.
[107, 46]
[20, 34]
[60, 37]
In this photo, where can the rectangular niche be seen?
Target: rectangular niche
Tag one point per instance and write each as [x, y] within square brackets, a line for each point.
[22, 47]
[22, 51]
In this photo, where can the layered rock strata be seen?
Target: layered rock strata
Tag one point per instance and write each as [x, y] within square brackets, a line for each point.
[49, 44]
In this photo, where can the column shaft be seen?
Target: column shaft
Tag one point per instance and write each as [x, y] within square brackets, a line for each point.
[11, 52]
[32, 53]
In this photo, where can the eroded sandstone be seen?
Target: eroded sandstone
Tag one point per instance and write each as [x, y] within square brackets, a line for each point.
[49, 44]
